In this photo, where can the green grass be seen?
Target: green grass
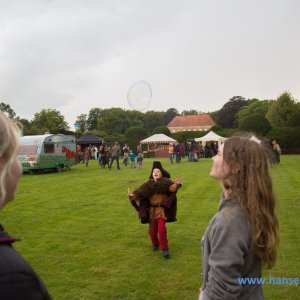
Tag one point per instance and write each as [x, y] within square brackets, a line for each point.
[84, 239]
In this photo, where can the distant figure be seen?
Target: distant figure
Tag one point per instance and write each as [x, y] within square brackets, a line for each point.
[95, 152]
[87, 156]
[126, 153]
[103, 154]
[277, 151]
[201, 150]
[132, 159]
[139, 161]
[171, 152]
[115, 155]
[177, 152]
[17, 278]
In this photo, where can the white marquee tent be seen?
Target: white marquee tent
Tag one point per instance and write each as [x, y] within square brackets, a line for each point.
[211, 136]
[158, 139]
[158, 145]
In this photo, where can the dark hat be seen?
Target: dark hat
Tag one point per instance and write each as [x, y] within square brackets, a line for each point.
[157, 165]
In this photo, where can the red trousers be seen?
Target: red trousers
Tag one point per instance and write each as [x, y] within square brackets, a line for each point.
[158, 233]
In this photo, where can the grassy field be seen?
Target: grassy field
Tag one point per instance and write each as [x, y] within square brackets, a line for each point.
[84, 239]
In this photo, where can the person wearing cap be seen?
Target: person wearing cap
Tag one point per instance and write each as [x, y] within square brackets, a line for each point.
[156, 202]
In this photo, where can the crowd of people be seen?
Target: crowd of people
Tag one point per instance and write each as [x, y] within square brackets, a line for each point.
[192, 150]
[107, 154]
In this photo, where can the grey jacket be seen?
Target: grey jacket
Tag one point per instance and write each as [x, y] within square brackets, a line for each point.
[227, 255]
[116, 151]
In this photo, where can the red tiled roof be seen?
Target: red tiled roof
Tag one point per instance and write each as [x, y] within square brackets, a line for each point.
[191, 120]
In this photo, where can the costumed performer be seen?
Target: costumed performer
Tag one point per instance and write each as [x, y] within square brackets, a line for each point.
[156, 203]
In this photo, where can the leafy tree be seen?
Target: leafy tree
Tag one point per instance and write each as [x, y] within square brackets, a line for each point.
[137, 132]
[287, 137]
[255, 123]
[82, 121]
[135, 117]
[153, 119]
[294, 119]
[162, 129]
[169, 115]
[49, 120]
[189, 112]
[282, 110]
[7, 109]
[26, 126]
[214, 115]
[113, 121]
[134, 135]
[254, 106]
[91, 122]
[226, 115]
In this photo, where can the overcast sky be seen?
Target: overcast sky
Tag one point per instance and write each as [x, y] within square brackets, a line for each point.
[74, 55]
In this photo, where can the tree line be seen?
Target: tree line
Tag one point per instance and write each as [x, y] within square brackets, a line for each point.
[279, 119]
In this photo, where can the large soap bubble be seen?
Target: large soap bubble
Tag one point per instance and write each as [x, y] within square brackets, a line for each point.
[139, 95]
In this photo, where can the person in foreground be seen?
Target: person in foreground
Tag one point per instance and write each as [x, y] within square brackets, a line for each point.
[242, 237]
[17, 278]
[156, 203]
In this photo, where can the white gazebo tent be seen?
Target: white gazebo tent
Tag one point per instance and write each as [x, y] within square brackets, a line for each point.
[158, 144]
[211, 137]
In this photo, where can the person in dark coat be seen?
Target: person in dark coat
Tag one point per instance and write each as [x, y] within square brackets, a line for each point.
[156, 203]
[18, 281]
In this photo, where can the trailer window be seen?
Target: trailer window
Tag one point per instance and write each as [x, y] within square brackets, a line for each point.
[28, 149]
[49, 148]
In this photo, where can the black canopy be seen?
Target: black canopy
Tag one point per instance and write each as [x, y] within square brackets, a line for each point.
[89, 139]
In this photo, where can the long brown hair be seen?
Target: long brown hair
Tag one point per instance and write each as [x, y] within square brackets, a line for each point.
[249, 181]
[9, 147]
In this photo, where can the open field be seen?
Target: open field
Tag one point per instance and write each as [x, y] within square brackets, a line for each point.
[84, 239]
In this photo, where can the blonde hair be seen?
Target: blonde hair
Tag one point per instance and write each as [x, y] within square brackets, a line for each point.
[9, 147]
[249, 181]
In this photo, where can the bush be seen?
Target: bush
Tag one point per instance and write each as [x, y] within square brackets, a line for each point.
[255, 123]
[288, 138]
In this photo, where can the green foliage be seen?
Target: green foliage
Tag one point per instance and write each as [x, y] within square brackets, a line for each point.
[112, 138]
[26, 126]
[214, 116]
[254, 106]
[183, 136]
[255, 123]
[83, 122]
[287, 137]
[49, 120]
[169, 115]
[282, 110]
[294, 119]
[7, 109]
[134, 135]
[226, 115]
[84, 239]
[162, 129]
[189, 112]
[113, 121]
[92, 120]
[136, 118]
[216, 128]
[153, 119]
